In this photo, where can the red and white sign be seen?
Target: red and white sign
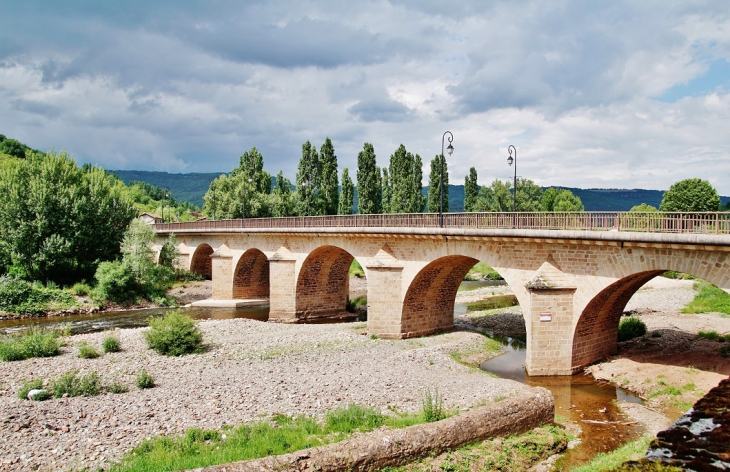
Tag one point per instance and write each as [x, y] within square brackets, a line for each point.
[546, 316]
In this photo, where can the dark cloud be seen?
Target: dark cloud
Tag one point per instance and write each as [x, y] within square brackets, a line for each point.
[36, 108]
[380, 109]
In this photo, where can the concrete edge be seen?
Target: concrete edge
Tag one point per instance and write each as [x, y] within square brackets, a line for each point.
[234, 303]
[383, 448]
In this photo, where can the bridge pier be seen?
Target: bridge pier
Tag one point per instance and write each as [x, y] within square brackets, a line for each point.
[384, 298]
[283, 289]
[222, 274]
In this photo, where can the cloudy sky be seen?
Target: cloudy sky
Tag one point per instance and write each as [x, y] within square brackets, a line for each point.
[620, 94]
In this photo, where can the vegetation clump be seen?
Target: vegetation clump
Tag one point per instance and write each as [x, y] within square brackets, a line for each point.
[74, 385]
[111, 344]
[26, 298]
[709, 299]
[432, 406]
[174, 335]
[630, 327]
[33, 342]
[26, 387]
[144, 380]
[87, 351]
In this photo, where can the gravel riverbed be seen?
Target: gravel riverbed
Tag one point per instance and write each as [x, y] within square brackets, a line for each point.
[250, 370]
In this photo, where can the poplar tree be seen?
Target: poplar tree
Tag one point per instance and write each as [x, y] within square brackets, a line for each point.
[329, 184]
[418, 199]
[308, 182]
[387, 192]
[283, 203]
[471, 190]
[347, 195]
[368, 182]
[401, 168]
[434, 185]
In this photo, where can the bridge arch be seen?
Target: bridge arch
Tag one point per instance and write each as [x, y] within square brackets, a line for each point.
[251, 276]
[201, 263]
[428, 306]
[323, 284]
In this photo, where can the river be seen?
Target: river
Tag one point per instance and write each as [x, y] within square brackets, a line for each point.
[579, 398]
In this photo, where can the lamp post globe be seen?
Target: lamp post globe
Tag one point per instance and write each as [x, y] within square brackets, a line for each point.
[442, 164]
[510, 160]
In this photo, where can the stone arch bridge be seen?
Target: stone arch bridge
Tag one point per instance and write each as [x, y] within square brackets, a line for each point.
[571, 273]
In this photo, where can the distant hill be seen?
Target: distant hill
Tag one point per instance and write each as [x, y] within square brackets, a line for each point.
[192, 187]
[184, 187]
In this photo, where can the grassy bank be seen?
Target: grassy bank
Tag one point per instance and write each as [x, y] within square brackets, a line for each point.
[33, 342]
[481, 271]
[21, 297]
[280, 435]
[709, 299]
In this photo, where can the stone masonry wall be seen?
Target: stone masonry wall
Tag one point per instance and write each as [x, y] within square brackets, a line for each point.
[324, 283]
[251, 278]
[202, 263]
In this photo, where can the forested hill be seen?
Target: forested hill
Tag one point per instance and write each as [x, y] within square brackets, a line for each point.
[184, 187]
[192, 187]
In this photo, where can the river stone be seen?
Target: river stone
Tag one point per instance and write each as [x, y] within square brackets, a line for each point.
[39, 394]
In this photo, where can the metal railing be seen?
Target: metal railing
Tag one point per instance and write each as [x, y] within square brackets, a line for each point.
[651, 222]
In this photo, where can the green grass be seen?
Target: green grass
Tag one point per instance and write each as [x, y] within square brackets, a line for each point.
[709, 299]
[482, 271]
[26, 387]
[116, 387]
[33, 342]
[280, 435]
[111, 344]
[74, 385]
[86, 351]
[80, 289]
[633, 450]
[174, 334]
[711, 335]
[356, 269]
[25, 298]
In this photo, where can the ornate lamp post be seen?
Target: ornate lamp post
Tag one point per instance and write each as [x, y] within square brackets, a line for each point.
[167, 194]
[450, 150]
[510, 160]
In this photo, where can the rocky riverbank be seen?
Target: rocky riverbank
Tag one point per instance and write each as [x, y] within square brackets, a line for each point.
[250, 369]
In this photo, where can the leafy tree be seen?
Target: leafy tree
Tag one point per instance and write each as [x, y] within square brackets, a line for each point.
[471, 190]
[690, 195]
[329, 184]
[347, 195]
[58, 221]
[499, 198]
[406, 174]
[418, 199]
[643, 208]
[13, 148]
[555, 199]
[308, 196]
[282, 202]
[434, 185]
[225, 196]
[369, 184]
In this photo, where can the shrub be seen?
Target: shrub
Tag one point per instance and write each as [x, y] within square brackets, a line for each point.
[34, 342]
[111, 344]
[174, 335]
[26, 387]
[630, 328]
[116, 387]
[711, 335]
[115, 282]
[433, 406]
[71, 384]
[25, 298]
[87, 351]
[144, 380]
[80, 289]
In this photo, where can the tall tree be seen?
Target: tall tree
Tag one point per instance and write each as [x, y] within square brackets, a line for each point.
[58, 222]
[248, 184]
[309, 196]
[471, 190]
[401, 167]
[498, 196]
[417, 198]
[329, 183]
[434, 185]
[690, 195]
[347, 195]
[368, 182]
[387, 191]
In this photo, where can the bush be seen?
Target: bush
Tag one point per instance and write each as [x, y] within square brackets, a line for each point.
[25, 298]
[174, 335]
[71, 384]
[433, 407]
[630, 328]
[87, 351]
[116, 387]
[111, 344]
[80, 289]
[115, 282]
[144, 380]
[26, 387]
[34, 342]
